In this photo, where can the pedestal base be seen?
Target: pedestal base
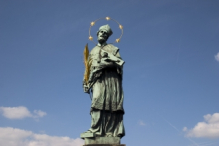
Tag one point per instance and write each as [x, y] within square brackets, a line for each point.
[104, 145]
[103, 141]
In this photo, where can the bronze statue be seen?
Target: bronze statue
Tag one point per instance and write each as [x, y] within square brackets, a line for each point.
[105, 85]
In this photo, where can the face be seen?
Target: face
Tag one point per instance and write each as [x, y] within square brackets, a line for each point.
[102, 36]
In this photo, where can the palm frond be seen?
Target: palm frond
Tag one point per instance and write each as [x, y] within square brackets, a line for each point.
[86, 63]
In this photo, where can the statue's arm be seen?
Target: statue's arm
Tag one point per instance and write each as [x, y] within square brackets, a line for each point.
[112, 59]
[120, 68]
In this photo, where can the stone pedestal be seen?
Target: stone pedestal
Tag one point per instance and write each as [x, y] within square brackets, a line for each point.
[104, 145]
[103, 141]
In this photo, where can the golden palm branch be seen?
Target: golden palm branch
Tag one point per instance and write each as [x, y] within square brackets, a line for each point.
[86, 63]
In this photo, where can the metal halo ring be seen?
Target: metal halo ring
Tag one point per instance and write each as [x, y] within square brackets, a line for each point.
[107, 18]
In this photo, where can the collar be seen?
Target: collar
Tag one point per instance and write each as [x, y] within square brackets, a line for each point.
[104, 44]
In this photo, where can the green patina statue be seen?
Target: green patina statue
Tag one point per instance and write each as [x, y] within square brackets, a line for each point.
[105, 83]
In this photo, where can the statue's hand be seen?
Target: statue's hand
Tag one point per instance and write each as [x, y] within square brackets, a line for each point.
[105, 62]
[85, 87]
[109, 59]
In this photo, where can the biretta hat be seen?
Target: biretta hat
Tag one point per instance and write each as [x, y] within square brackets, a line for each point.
[106, 28]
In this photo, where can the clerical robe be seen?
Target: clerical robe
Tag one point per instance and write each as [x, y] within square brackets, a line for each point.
[107, 95]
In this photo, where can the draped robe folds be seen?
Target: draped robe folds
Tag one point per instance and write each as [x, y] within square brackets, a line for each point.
[107, 102]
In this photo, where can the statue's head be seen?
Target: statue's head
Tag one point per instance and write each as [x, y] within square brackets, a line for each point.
[104, 33]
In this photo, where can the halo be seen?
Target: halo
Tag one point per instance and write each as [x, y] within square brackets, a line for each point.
[107, 18]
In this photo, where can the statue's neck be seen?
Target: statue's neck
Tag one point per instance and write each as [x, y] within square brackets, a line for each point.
[102, 44]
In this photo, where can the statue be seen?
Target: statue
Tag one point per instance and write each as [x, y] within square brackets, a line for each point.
[105, 86]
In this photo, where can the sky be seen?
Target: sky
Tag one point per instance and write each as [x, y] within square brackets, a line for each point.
[170, 80]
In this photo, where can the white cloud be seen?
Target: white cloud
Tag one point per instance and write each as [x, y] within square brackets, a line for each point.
[15, 112]
[39, 113]
[20, 112]
[141, 123]
[217, 56]
[17, 137]
[185, 129]
[207, 129]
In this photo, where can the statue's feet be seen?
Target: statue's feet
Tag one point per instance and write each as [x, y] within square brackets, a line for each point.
[120, 135]
[87, 134]
[109, 135]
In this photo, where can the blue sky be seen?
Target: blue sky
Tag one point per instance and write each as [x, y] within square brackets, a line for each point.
[171, 74]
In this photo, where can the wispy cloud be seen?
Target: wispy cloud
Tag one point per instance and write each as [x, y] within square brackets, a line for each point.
[20, 112]
[141, 123]
[207, 143]
[193, 142]
[217, 56]
[38, 114]
[17, 137]
[207, 129]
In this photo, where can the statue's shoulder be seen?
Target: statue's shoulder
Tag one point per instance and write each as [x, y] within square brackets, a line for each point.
[95, 50]
[111, 48]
